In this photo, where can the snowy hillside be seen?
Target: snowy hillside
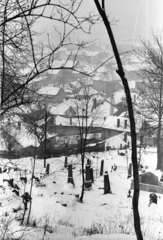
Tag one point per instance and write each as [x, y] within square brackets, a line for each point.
[57, 212]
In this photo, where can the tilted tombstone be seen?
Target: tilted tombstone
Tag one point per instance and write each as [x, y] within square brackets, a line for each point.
[102, 168]
[88, 182]
[107, 188]
[70, 174]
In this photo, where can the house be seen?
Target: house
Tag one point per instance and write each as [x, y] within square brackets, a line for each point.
[63, 109]
[131, 71]
[102, 129]
[51, 94]
[118, 141]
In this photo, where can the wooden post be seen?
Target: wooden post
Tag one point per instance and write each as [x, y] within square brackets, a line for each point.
[107, 188]
[102, 168]
[88, 182]
[70, 174]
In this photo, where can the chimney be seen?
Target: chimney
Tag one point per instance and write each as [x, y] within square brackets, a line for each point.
[95, 103]
[8, 122]
[125, 137]
[19, 125]
[54, 120]
[125, 123]
[70, 121]
[118, 122]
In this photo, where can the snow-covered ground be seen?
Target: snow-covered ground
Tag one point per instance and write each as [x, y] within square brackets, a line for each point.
[56, 204]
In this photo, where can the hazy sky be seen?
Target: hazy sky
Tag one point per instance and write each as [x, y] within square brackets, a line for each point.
[137, 18]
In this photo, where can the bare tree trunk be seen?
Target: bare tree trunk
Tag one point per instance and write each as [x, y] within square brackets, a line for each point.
[83, 179]
[33, 171]
[159, 157]
[45, 139]
[131, 116]
[159, 153]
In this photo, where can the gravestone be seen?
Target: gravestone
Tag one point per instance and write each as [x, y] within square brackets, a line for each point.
[91, 175]
[102, 168]
[130, 170]
[88, 182]
[149, 178]
[149, 182]
[65, 164]
[107, 188]
[47, 169]
[70, 174]
[88, 161]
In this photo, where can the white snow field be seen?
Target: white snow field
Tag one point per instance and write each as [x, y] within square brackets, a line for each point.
[57, 213]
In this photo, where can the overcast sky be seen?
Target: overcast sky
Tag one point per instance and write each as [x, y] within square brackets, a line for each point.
[137, 18]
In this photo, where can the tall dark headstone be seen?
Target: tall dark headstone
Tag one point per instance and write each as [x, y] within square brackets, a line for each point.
[102, 168]
[88, 182]
[88, 161]
[70, 174]
[47, 169]
[107, 188]
[65, 164]
[130, 170]
[91, 175]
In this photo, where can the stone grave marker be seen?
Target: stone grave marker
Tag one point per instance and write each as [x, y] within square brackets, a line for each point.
[149, 182]
[102, 168]
[88, 182]
[107, 188]
[66, 163]
[91, 175]
[70, 174]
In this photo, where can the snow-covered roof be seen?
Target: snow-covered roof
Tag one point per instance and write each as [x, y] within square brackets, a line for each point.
[129, 67]
[111, 123]
[76, 84]
[120, 96]
[107, 109]
[26, 140]
[54, 71]
[49, 90]
[115, 141]
[60, 109]
[91, 53]
[87, 91]
[102, 69]
[131, 83]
